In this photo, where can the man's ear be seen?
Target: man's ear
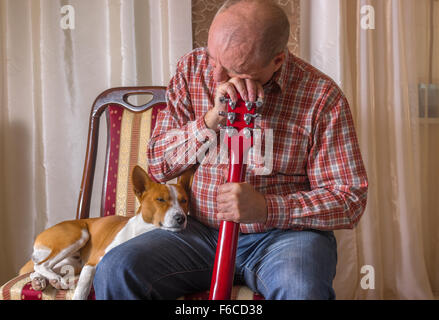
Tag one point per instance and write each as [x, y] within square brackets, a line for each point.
[185, 180]
[141, 181]
[279, 60]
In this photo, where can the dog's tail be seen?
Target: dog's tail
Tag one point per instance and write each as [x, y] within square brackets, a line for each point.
[28, 267]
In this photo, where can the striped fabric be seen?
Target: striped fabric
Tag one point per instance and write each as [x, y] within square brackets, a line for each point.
[20, 288]
[129, 135]
[127, 146]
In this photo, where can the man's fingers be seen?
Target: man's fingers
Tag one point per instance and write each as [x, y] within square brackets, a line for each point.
[228, 187]
[228, 216]
[224, 89]
[221, 198]
[241, 87]
[248, 89]
[226, 207]
[260, 89]
[252, 89]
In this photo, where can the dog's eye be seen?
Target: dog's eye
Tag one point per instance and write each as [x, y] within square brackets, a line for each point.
[160, 199]
[183, 200]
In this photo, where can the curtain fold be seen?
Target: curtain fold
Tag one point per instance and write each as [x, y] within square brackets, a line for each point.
[50, 77]
[378, 71]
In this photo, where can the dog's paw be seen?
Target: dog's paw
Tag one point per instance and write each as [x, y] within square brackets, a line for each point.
[55, 283]
[39, 284]
[60, 284]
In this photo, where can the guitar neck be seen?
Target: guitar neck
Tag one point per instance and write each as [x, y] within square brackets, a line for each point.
[237, 167]
[224, 267]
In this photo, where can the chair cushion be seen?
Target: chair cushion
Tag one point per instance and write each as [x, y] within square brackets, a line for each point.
[19, 288]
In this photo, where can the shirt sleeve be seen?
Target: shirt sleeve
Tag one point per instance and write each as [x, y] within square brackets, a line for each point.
[178, 134]
[337, 177]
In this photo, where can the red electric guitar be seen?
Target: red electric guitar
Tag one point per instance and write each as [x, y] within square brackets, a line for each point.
[239, 138]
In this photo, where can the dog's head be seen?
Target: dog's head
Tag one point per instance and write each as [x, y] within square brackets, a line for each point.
[165, 206]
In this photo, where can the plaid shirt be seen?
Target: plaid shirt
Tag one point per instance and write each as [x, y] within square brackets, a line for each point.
[317, 179]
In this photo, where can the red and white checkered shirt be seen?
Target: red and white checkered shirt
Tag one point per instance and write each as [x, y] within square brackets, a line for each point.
[317, 178]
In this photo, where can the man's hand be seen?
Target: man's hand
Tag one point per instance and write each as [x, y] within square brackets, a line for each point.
[241, 203]
[249, 90]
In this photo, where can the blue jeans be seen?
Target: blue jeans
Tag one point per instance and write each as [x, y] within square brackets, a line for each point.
[279, 264]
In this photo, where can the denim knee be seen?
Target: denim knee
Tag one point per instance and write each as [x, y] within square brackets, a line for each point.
[107, 265]
[294, 266]
[300, 287]
[116, 276]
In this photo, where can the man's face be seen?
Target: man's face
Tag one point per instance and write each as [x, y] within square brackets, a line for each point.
[236, 62]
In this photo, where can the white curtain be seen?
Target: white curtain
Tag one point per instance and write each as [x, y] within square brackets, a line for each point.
[50, 77]
[385, 256]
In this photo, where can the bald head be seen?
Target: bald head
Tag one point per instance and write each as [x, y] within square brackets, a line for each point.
[257, 30]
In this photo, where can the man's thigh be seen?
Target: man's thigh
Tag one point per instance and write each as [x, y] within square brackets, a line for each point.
[292, 265]
[158, 265]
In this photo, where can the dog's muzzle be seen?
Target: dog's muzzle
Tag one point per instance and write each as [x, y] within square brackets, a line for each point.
[175, 221]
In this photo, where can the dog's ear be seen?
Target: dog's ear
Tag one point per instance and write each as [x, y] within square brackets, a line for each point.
[185, 179]
[141, 181]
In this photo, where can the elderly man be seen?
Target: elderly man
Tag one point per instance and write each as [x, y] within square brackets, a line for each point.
[317, 182]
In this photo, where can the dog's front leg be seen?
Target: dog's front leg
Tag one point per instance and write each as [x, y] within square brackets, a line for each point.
[84, 283]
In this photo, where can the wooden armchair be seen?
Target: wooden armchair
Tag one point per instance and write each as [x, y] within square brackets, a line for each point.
[128, 131]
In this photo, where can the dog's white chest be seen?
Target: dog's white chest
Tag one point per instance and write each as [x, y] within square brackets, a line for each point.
[134, 227]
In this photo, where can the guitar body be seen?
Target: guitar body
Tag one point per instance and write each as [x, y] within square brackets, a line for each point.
[239, 139]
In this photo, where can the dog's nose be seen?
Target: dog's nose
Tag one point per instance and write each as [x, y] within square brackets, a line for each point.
[180, 218]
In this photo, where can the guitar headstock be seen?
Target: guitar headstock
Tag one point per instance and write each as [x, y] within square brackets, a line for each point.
[240, 116]
[239, 134]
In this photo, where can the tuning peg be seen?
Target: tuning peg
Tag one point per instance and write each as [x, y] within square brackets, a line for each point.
[231, 103]
[231, 116]
[248, 117]
[259, 103]
[249, 105]
[222, 113]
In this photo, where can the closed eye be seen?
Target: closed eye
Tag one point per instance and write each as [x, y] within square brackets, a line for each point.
[160, 199]
[183, 200]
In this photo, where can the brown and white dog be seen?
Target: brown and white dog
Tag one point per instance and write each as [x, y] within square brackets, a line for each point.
[81, 244]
